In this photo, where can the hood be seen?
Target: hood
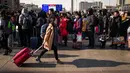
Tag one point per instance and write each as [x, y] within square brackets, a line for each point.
[90, 10]
[24, 11]
[104, 12]
[42, 14]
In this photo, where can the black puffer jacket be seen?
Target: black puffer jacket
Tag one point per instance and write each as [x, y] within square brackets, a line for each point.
[115, 26]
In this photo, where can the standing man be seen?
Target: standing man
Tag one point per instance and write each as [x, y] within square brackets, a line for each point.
[90, 27]
[115, 27]
[25, 20]
[4, 20]
[105, 21]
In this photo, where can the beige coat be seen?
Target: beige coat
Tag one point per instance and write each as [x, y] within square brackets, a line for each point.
[48, 38]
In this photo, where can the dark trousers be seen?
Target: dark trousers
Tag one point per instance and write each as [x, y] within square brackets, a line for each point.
[84, 35]
[4, 43]
[21, 37]
[54, 48]
[65, 38]
[37, 34]
[26, 37]
[91, 38]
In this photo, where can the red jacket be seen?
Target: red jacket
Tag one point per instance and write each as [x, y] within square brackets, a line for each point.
[63, 26]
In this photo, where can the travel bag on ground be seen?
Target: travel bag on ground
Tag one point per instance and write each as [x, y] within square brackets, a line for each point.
[34, 40]
[118, 40]
[24, 55]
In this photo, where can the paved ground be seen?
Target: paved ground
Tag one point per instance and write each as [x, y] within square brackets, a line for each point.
[76, 61]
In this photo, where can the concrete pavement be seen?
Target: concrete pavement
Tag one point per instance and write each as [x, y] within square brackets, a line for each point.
[76, 61]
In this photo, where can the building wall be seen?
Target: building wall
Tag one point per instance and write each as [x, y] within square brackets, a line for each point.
[125, 6]
[85, 5]
[29, 6]
[120, 2]
[98, 4]
[12, 4]
[127, 1]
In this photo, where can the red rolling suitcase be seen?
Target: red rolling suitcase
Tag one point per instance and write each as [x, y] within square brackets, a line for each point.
[23, 55]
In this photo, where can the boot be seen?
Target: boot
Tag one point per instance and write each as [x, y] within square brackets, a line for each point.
[38, 60]
[9, 51]
[59, 62]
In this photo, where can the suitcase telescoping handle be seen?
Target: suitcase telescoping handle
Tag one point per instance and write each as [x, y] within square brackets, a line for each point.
[34, 51]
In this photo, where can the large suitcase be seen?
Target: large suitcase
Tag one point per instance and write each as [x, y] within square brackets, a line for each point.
[23, 55]
[34, 40]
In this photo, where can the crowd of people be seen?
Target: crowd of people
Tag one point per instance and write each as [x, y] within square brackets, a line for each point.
[53, 27]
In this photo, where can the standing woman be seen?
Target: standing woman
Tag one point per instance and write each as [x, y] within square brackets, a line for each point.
[123, 28]
[70, 23]
[84, 26]
[63, 28]
[77, 28]
[50, 40]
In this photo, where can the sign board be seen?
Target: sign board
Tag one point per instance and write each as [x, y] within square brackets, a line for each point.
[56, 7]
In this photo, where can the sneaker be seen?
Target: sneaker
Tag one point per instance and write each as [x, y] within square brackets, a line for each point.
[6, 53]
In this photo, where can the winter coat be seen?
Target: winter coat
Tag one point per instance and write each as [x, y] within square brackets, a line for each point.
[105, 24]
[70, 25]
[115, 26]
[43, 30]
[78, 25]
[124, 26]
[63, 27]
[24, 14]
[41, 19]
[2, 23]
[84, 26]
[49, 37]
[6, 26]
[91, 22]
